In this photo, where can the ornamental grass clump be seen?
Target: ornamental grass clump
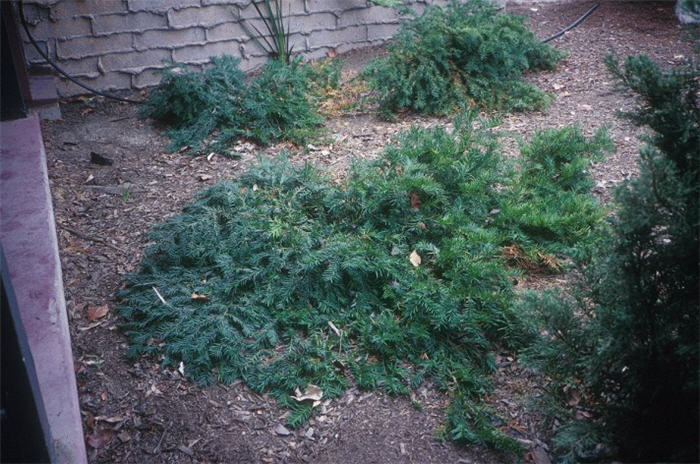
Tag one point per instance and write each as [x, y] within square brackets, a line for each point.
[293, 283]
[461, 55]
[208, 111]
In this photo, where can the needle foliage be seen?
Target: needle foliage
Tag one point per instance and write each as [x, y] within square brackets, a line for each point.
[628, 341]
[212, 109]
[461, 55]
[283, 278]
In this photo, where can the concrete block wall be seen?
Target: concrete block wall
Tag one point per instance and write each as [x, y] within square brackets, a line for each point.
[122, 44]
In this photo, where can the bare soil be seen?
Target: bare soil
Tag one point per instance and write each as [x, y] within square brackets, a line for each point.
[135, 411]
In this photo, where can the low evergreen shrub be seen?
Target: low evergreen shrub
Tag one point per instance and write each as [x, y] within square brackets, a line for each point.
[284, 279]
[461, 55]
[627, 341]
[210, 110]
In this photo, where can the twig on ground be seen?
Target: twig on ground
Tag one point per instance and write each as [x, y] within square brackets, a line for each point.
[90, 238]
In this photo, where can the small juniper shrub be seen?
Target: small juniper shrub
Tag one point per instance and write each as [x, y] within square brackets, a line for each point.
[627, 341]
[209, 110]
[548, 210]
[283, 278]
[460, 55]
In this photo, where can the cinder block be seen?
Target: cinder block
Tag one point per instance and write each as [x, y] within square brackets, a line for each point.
[225, 2]
[315, 6]
[253, 63]
[147, 58]
[132, 22]
[334, 38]
[33, 57]
[85, 67]
[381, 31]
[161, 6]
[94, 46]
[290, 8]
[373, 15]
[71, 8]
[318, 54]
[146, 78]
[34, 13]
[206, 16]
[170, 38]
[351, 46]
[109, 81]
[308, 23]
[202, 53]
[226, 31]
[73, 27]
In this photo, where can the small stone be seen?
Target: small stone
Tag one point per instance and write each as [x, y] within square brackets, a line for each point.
[282, 431]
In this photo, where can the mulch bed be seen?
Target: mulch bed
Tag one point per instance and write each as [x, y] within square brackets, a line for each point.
[135, 411]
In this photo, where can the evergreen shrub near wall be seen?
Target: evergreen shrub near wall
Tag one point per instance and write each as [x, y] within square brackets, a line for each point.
[289, 282]
[208, 111]
[461, 55]
[627, 343]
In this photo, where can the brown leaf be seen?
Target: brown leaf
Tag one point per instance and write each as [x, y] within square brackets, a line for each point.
[100, 438]
[199, 296]
[97, 312]
[312, 392]
[415, 201]
[89, 419]
[415, 258]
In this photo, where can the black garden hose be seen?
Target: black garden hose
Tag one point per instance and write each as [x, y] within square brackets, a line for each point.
[573, 25]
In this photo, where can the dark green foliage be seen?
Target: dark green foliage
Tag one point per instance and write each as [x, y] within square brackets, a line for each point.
[551, 203]
[209, 110]
[285, 258]
[629, 340]
[463, 54]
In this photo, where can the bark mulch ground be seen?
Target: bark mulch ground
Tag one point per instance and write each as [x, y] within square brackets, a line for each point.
[135, 411]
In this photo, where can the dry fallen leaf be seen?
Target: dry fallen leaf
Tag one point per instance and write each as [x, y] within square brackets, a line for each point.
[415, 258]
[312, 392]
[100, 438]
[204, 177]
[111, 420]
[415, 201]
[97, 312]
